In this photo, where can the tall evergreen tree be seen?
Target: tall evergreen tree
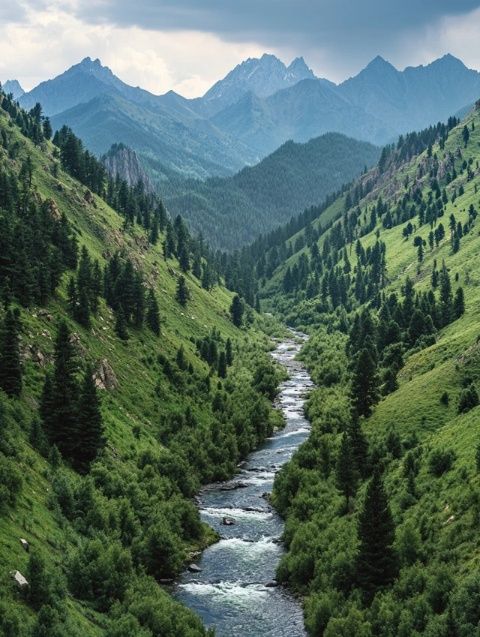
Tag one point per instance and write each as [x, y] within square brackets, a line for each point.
[90, 425]
[365, 383]
[376, 562]
[60, 396]
[10, 365]
[182, 294]
[229, 352]
[222, 365]
[153, 313]
[236, 311]
[345, 470]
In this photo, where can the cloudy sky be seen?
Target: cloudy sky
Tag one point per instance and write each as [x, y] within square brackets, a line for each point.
[186, 45]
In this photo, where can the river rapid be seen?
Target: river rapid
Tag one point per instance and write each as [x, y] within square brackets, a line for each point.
[234, 591]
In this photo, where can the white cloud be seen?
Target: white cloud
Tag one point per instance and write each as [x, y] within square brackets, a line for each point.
[51, 40]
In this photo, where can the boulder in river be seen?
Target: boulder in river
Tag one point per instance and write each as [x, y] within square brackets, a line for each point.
[232, 486]
[228, 521]
[193, 568]
[272, 584]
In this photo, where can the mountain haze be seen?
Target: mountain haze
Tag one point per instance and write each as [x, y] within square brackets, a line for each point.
[256, 108]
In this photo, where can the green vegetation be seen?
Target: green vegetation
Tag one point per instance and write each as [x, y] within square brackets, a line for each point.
[125, 385]
[381, 503]
[232, 211]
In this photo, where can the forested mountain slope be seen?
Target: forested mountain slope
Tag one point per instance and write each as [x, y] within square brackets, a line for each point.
[127, 378]
[235, 210]
[382, 501]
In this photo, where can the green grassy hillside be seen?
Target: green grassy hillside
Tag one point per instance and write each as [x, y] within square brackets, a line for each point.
[101, 543]
[422, 425]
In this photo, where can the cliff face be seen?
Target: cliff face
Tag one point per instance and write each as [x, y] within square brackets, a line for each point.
[124, 162]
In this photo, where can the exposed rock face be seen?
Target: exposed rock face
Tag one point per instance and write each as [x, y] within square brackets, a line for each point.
[19, 580]
[124, 162]
[105, 377]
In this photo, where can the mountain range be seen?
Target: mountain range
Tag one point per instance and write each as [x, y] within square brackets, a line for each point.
[259, 105]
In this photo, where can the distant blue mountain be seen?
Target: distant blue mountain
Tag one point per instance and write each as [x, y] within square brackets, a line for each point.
[13, 87]
[254, 109]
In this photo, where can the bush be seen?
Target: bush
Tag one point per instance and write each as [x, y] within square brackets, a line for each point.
[441, 461]
[100, 572]
[468, 399]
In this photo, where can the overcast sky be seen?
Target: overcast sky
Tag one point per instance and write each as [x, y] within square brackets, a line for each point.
[186, 45]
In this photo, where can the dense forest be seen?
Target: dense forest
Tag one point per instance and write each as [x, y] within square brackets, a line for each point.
[129, 376]
[233, 211]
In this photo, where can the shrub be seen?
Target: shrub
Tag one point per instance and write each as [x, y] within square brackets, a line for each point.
[468, 399]
[441, 461]
[100, 572]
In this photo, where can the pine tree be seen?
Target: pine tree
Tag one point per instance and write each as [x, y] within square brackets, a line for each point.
[228, 352]
[121, 325]
[445, 296]
[90, 426]
[153, 313]
[236, 311]
[182, 294]
[376, 562]
[47, 128]
[60, 396]
[10, 365]
[459, 303]
[358, 447]
[345, 470]
[222, 365]
[365, 383]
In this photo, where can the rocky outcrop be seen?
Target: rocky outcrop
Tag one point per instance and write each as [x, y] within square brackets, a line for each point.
[104, 376]
[124, 162]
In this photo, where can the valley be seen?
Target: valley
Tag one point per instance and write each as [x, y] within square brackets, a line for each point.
[239, 352]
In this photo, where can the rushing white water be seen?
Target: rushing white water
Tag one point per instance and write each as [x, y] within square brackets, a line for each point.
[231, 593]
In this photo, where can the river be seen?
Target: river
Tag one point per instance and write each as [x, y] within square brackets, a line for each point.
[231, 592]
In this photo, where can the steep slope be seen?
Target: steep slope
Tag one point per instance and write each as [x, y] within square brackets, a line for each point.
[256, 108]
[79, 84]
[13, 87]
[123, 162]
[263, 77]
[235, 210]
[385, 278]
[193, 148]
[103, 110]
[416, 97]
[178, 400]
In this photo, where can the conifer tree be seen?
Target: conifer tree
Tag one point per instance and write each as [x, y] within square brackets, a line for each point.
[182, 295]
[345, 470]
[121, 325]
[445, 296]
[228, 352]
[359, 447]
[376, 562]
[365, 383]
[10, 365]
[60, 396]
[153, 313]
[47, 128]
[459, 303]
[236, 311]
[90, 426]
[222, 365]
